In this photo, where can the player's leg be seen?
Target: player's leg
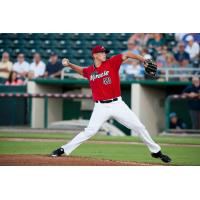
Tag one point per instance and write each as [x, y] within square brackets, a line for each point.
[99, 115]
[122, 113]
[128, 118]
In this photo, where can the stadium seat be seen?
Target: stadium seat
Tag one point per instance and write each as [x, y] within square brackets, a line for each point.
[32, 51]
[65, 53]
[75, 61]
[31, 43]
[55, 44]
[44, 36]
[3, 36]
[79, 53]
[27, 36]
[60, 36]
[75, 36]
[82, 62]
[15, 43]
[46, 44]
[2, 50]
[8, 43]
[12, 36]
[122, 36]
[75, 46]
[88, 61]
[90, 36]
[62, 44]
[2, 43]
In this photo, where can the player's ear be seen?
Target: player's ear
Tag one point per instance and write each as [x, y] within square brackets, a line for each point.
[94, 56]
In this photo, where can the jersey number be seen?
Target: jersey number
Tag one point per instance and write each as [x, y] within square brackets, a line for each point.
[107, 81]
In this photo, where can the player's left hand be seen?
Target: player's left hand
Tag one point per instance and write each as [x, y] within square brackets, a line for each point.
[150, 69]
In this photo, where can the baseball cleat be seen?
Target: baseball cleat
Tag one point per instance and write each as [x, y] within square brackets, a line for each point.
[57, 152]
[164, 158]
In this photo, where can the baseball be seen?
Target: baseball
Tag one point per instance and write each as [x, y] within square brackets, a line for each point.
[65, 61]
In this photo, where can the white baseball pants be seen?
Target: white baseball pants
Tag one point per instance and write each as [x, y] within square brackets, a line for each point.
[119, 111]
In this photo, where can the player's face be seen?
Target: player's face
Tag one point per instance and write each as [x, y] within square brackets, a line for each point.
[101, 56]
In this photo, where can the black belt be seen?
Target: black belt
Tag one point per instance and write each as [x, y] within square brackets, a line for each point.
[107, 101]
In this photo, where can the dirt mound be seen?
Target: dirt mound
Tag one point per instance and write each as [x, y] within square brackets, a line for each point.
[42, 160]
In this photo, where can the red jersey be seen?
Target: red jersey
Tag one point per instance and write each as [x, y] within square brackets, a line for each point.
[104, 80]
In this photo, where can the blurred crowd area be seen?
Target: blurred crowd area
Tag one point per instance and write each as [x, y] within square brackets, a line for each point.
[169, 51]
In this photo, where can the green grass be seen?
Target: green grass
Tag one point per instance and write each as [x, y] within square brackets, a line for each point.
[159, 139]
[181, 155]
[123, 152]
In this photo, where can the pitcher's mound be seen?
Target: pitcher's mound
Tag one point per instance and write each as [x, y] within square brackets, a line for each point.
[42, 160]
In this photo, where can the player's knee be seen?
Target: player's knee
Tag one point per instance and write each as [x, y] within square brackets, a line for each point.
[90, 131]
[139, 127]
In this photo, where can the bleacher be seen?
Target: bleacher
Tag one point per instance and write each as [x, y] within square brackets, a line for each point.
[76, 46]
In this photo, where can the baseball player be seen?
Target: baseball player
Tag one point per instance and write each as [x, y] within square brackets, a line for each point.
[104, 81]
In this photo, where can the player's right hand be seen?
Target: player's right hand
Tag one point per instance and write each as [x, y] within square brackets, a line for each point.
[65, 62]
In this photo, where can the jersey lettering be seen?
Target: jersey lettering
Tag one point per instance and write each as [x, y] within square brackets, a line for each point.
[95, 75]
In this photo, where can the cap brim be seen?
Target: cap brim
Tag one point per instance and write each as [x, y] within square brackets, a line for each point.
[106, 51]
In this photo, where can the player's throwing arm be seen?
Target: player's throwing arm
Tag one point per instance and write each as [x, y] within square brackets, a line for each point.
[76, 68]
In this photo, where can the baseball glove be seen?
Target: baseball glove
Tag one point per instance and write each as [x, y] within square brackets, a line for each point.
[150, 69]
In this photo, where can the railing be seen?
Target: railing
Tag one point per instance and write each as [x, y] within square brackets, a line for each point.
[168, 73]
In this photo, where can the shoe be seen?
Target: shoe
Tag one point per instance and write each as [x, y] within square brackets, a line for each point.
[57, 152]
[164, 158]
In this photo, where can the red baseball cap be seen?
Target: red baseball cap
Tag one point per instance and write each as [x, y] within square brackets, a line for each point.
[98, 49]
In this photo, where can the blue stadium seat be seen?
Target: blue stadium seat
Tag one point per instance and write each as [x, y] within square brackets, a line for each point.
[2, 43]
[12, 36]
[60, 36]
[75, 36]
[46, 44]
[3, 36]
[1, 50]
[88, 61]
[75, 46]
[65, 53]
[27, 36]
[44, 36]
[90, 36]
[62, 44]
